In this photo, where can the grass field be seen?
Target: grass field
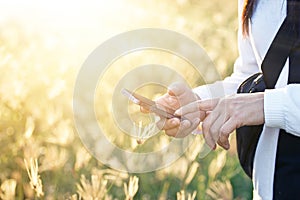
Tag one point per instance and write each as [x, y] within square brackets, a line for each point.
[42, 47]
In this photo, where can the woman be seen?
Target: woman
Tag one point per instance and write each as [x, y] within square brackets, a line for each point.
[276, 169]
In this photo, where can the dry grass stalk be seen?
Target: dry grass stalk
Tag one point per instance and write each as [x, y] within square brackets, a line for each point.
[54, 158]
[195, 148]
[217, 164]
[82, 158]
[29, 127]
[132, 187]
[191, 174]
[8, 189]
[33, 174]
[181, 195]
[142, 134]
[94, 190]
[219, 190]
[74, 197]
[164, 192]
[116, 177]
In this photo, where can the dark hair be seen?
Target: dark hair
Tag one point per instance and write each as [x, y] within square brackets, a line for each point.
[246, 15]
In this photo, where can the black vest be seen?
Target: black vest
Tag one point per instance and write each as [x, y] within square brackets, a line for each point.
[287, 166]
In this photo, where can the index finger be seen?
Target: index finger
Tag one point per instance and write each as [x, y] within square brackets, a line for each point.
[203, 105]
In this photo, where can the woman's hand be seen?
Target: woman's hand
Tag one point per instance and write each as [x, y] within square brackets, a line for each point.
[227, 114]
[179, 95]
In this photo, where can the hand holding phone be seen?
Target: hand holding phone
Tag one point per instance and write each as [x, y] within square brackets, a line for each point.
[149, 104]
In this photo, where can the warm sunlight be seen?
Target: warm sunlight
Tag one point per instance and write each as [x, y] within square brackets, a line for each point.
[43, 45]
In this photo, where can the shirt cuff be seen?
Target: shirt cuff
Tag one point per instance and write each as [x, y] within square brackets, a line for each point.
[210, 91]
[274, 108]
[203, 92]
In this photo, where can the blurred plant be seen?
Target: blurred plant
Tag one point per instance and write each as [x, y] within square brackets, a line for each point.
[143, 133]
[195, 148]
[82, 158]
[54, 158]
[8, 189]
[33, 174]
[182, 196]
[178, 169]
[94, 189]
[115, 177]
[219, 190]
[74, 197]
[29, 127]
[62, 133]
[191, 173]
[132, 187]
[217, 164]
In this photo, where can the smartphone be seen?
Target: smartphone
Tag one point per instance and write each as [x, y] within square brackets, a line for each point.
[149, 104]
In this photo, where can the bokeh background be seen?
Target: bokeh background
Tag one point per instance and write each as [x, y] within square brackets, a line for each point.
[42, 47]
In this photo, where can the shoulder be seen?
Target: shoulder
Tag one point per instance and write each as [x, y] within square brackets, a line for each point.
[265, 22]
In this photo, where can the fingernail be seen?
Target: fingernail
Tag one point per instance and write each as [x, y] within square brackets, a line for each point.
[170, 92]
[178, 112]
[174, 122]
[214, 147]
[197, 132]
[227, 146]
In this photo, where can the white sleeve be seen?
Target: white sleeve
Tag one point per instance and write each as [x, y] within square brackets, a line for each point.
[282, 108]
[245, 66]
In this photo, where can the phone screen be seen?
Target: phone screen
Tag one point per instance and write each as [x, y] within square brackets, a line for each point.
[149, 104]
